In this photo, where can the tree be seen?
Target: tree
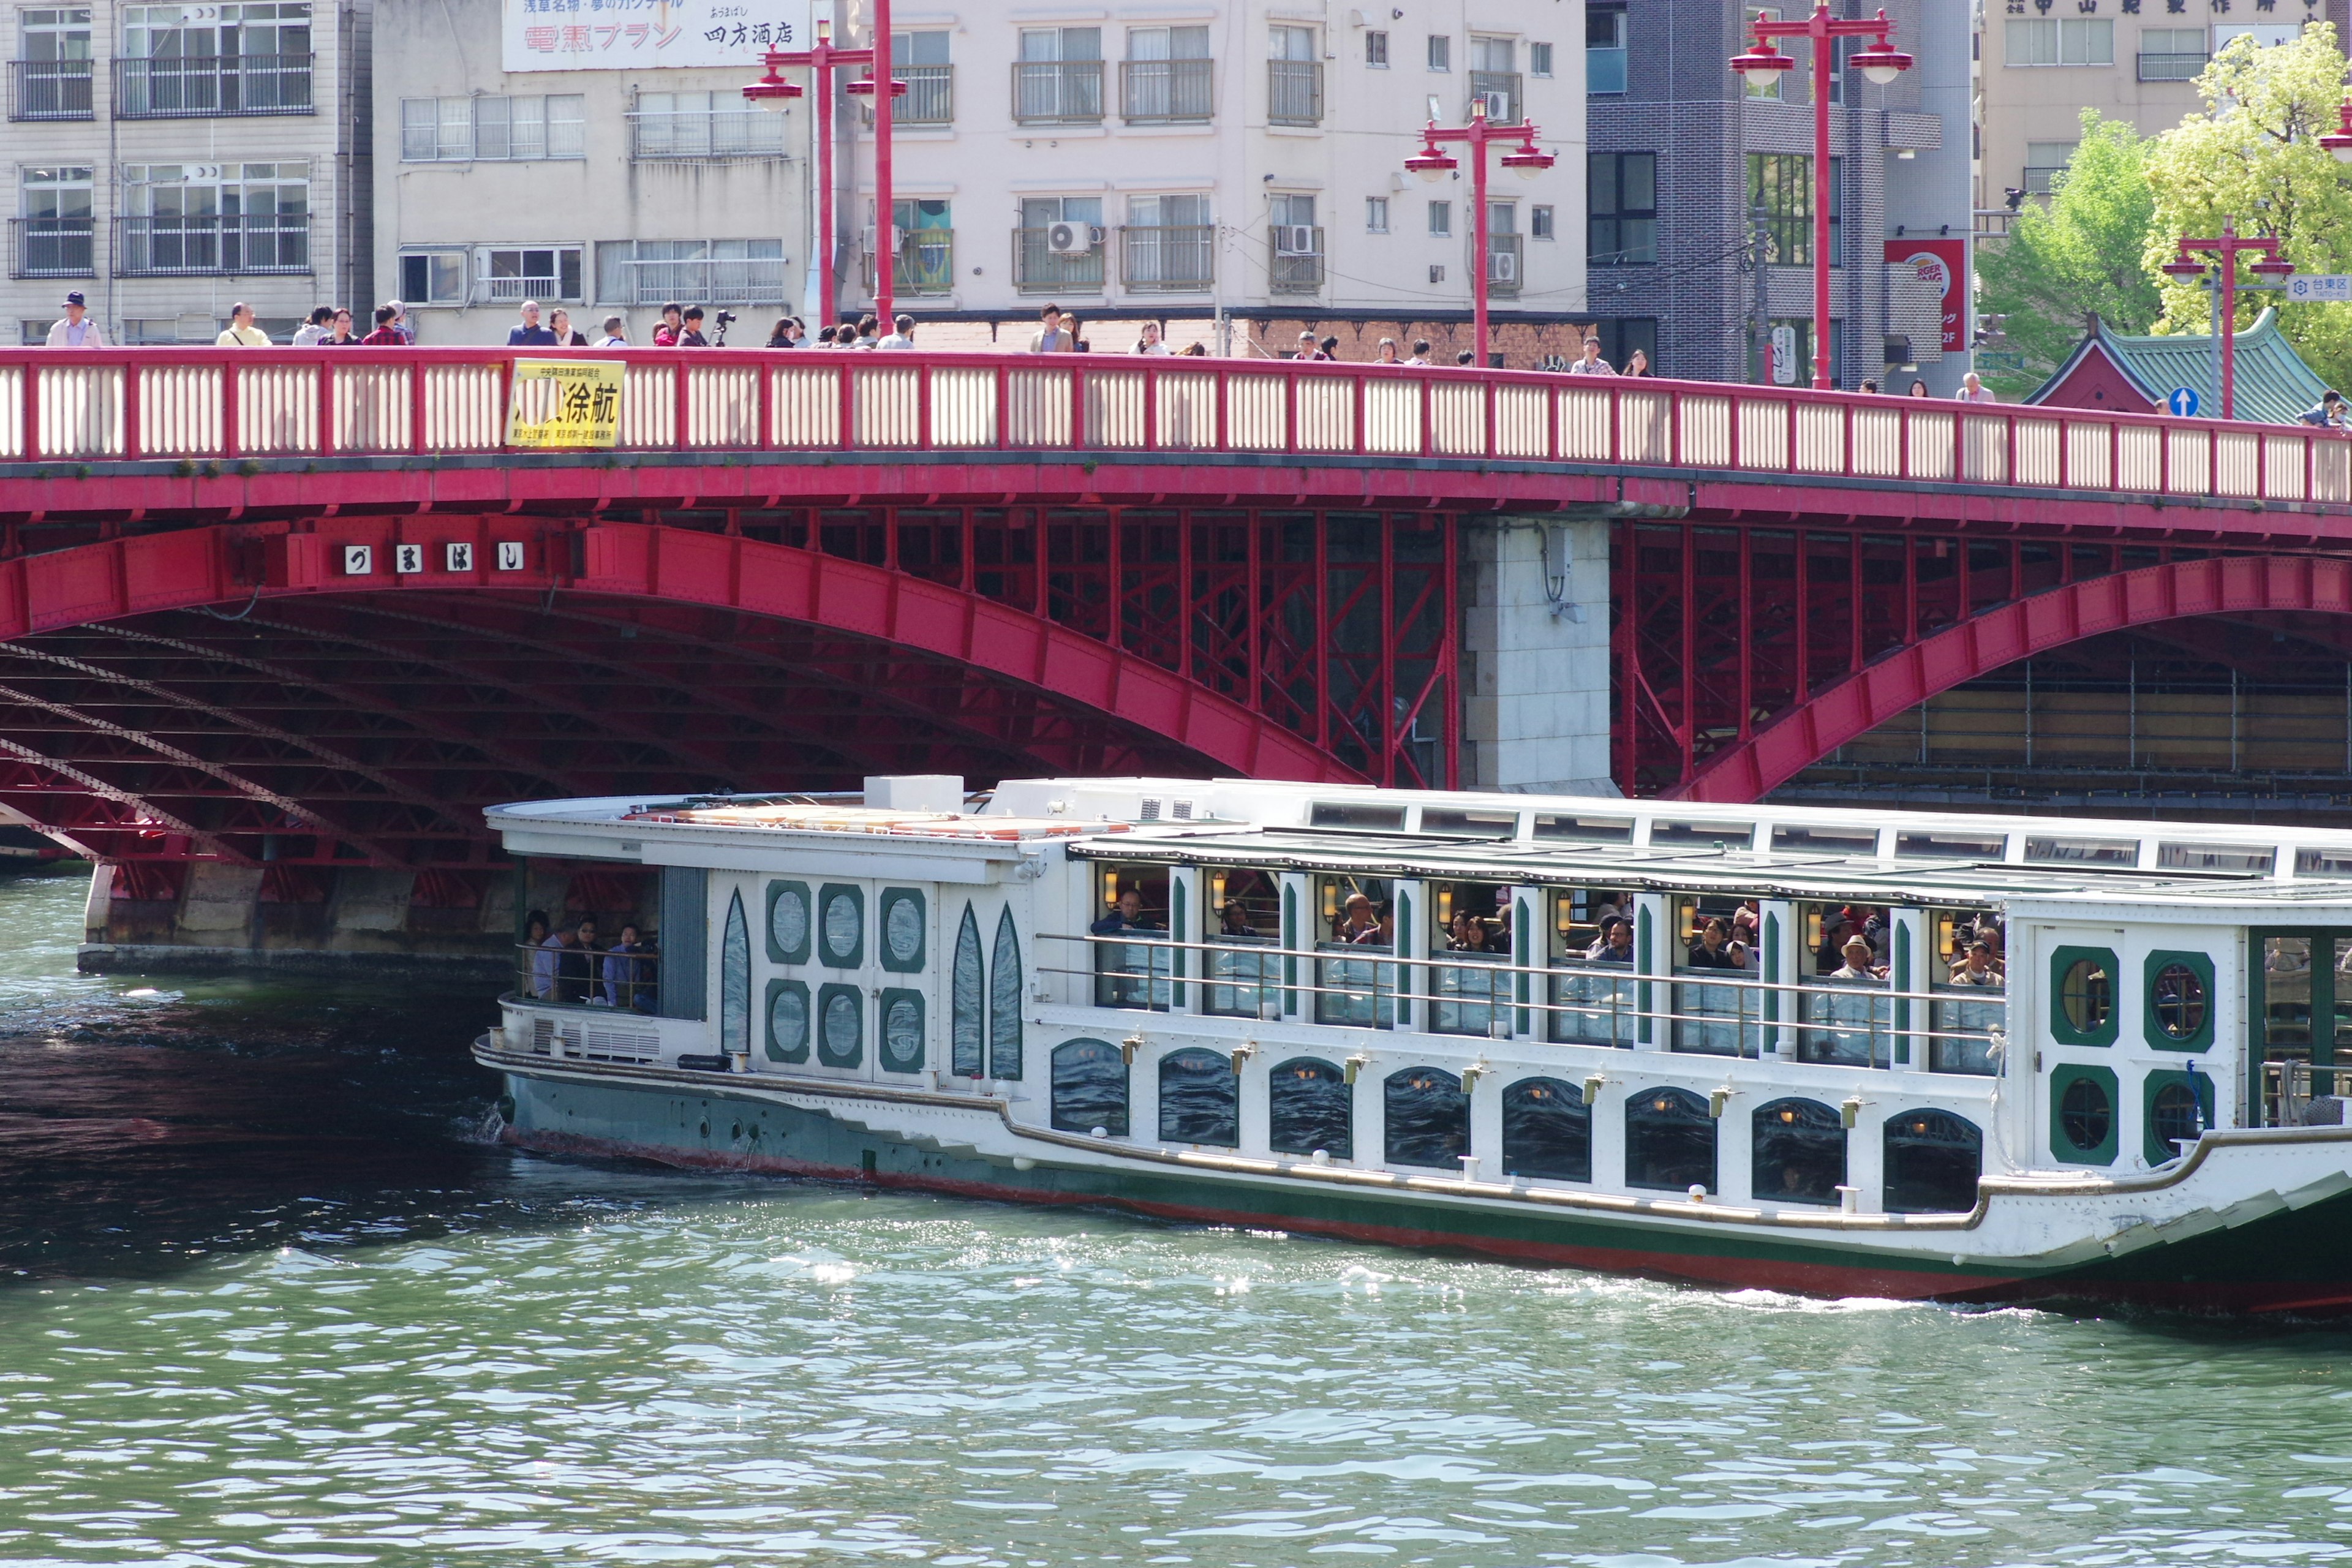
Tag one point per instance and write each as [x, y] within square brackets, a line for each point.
[2079, 258]
[2254, 156]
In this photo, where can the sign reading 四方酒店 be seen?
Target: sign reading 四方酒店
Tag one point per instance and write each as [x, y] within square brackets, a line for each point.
[638, 34]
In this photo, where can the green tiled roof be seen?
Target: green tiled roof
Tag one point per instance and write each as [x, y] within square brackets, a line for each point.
[2273, 384]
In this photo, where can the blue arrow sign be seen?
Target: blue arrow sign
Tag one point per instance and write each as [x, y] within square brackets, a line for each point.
[2183, 402]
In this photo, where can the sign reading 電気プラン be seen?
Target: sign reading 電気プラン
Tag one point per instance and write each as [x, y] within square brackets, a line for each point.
[565, 403]
[639, 35]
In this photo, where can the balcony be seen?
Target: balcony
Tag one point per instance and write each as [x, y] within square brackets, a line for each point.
[1604, 70]
[1038, 270]
[193, 87]
[1057, 92]
[49, 90]
[1500, 91]
[2186, 66]
[704, 135]
[737, 280]
[1294, 92]
[1167, 261]
[1165, 92]
[929, 98]
[52, 247]
[1295, 265]
[1506, 265]
[212, 245]
[925, 265]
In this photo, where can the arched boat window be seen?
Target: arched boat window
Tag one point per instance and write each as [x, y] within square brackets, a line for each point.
[735, 980]
[1004, 1000]
[1799, 1152]
[1089, 1087]
[967, 1003]
[1547, 1130]
[1200, 1098]
[1428, 1119]
[1311, 1106]
[1933, 1159]
[1669, 1141]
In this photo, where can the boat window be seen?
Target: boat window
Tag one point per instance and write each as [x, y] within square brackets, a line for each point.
[2323, 862]
[1547, 1130]
[789, 923]
[1427, 1120]
[735, 980]
[1090, 1088]
[967, 1010]
[2216, 857]
[1134, 963]
[1933, 1159]
[1591, 957]
[1004, 985]
[1356, 814]
[840, 1026]
[1715, 933]
[1829, 929]
[2083, 1114]
[1704, 834]
[2178, 1012]
[1470, 923]
[1796, 838]
[2179, 1110]
[841, 925]
[1799, 1152]
[1458, 824]
[902, 1030]
[906, 919]
[2084, 1009]
[1310, 1107]
[1969, 984]
[1200, 1098]
[788, 1021]
[1359, 922]
[2055, 851]
[1950, 846]
[1584, 829]
[1242, 921]
[1669, 1141]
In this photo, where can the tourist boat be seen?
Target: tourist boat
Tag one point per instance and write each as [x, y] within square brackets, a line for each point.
[1410, 1017]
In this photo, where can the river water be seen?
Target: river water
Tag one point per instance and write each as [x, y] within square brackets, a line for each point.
[267, 1297]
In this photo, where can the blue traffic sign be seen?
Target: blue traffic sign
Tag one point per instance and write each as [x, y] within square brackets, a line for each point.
[2183, 402]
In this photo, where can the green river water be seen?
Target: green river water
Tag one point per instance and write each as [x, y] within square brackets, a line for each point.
[267, 1297]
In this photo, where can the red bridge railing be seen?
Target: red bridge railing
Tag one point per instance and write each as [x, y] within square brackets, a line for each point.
[132, 404]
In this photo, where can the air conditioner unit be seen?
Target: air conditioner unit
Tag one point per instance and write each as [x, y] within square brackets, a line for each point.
[1504, 267]
[865, 238]
[1294, 239]
[1070, 239]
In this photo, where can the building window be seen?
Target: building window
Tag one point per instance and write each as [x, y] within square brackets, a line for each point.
[1781, 183]
[1376, 50]
[696, 125]
[925, 228]
[1539, 223]
[52, 68]
[1169, 243]
[433, 277]
[921, 60]
[508, 275]
[2172, 54]
[1622, 190]
[1059, 77]
[2044, 162]
[215, 220]
[709, 271]
[55, 233]
[499, 129]
[1294, 76]
[199, 60]
[1059, 243]
[1540, 59]
[1376, 214]
[1495, 79]
[1296, 263]
[1441, 52]
[1165, 77]
[2060, 41]
[1440, 220]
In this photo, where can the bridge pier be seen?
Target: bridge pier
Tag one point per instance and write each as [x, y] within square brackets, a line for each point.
[1534, 653]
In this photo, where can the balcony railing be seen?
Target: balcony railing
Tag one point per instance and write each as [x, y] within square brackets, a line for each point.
[1294, 92]
[212, 245]
[52, 247]
[1057, 92]
[925, 264]
[1499, 91]
[194, 85]
[1604, 70]
[1039, 269]
[740, 281]
[1158, 92]
[1506, 264]
[1165, 259]
[2186, 66]
[930, 98]
[1295, 267]
[49, 90]
[657, 135]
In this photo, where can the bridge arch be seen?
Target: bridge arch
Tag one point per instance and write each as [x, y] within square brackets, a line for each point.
[2005, 633]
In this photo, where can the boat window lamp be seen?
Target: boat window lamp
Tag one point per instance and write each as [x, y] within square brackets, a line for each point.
[1592, 1083]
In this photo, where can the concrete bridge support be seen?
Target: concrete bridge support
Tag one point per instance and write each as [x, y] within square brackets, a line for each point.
[1534, 653]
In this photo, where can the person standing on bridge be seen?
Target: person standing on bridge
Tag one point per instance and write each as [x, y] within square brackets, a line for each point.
[2329, 413]
[530, 334]
[1591, 363]
[673, 321]
[76, 329]
[1049, 338]
[387, 333]
[902, 335]
[241, 333]
[1974, 391]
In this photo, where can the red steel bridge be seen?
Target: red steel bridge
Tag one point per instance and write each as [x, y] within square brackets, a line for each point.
[311, 609]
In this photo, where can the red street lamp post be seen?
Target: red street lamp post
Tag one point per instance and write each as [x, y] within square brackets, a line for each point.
[1762, 66]
[771, 92]
[2225, 295]
[1431, 164]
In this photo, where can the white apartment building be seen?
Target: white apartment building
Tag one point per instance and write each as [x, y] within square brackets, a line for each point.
[1173, 157]
[168, 160]
[600, 158]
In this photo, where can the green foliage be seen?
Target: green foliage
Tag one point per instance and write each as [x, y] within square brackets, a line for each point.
[2078, 257]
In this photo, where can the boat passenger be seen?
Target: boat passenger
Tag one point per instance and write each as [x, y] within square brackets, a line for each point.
[624, 973]
[543, 955]
[1469, 933]
[1716, 950]
[576, 963]
[1858, 965]
[1125, 916]
[1977, 968]
[1616, 945]
[1234, 921]
[1836, 932]
[1358, 923]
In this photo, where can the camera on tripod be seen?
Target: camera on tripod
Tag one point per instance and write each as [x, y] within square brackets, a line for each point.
[724, 320]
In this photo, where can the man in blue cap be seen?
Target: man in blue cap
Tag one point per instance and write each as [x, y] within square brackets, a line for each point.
[77, 330]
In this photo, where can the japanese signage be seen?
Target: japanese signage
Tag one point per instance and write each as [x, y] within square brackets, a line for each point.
[1943, 266]
[2320, 286]
[633, 34]
[569, 404]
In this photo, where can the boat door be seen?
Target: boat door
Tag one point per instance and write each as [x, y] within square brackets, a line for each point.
[2301, 990]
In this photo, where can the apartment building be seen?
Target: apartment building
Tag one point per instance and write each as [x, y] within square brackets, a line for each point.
[171, 160]
[1178, 159]
[601, 159]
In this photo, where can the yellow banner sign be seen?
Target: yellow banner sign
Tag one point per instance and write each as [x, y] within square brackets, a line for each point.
[568, 403]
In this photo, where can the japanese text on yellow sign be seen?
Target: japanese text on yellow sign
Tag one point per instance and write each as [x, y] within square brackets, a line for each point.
[573, 403]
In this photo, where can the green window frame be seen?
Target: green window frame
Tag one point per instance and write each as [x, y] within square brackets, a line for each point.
[2201, 1084]
[2201, 965]
[788, 1036]
[892, 1012]
[2063, 1148]
[797, 952]
[889, 905]
[831, 953]
[840, 1016]
[2062, 960]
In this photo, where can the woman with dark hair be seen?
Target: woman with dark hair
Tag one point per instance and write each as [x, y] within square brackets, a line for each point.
[543, 954]
[786, 333]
